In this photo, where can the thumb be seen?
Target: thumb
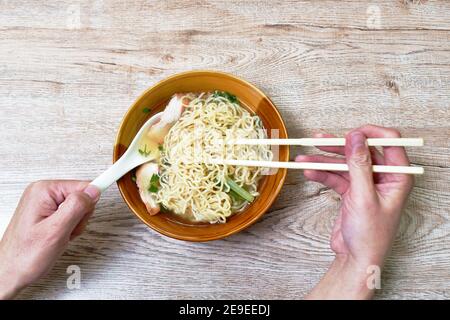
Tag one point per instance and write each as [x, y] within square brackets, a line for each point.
[359, 163]
[70, 212]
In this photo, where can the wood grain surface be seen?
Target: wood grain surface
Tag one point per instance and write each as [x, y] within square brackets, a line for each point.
[70, 69]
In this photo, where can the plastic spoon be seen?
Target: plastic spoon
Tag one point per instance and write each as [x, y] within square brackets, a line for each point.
[131, 159]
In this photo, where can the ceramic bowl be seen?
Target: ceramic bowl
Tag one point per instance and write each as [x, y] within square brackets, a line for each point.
[153, 101]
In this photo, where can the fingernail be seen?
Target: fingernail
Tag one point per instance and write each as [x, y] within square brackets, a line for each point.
[319, 135]
[358, 141]
[93, 192]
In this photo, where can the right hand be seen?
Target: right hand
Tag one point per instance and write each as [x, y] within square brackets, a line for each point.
[371, 203]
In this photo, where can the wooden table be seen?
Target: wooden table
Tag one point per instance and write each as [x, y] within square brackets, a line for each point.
[68, 73]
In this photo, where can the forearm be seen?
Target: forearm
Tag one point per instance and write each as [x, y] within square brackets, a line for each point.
[343, 280]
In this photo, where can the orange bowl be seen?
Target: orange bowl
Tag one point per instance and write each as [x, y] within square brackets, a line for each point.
[155, 99]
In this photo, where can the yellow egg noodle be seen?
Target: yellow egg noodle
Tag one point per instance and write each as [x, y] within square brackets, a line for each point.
[189, 185]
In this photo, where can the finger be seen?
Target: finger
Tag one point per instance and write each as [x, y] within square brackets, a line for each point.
[337, 150]
[395, 156]
[74, 208]
[359, 162]
[324, 159]
[377, 157]
[338, 181]
[331, 180]
[79, 229]
[59, 190]
[71, 211]
[93, 192]
[81, 226]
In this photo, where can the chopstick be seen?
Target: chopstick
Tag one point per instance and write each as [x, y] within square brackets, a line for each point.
[373, 142]
[314, 166]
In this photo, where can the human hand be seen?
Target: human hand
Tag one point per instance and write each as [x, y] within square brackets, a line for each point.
[48, 216]
[370, 209]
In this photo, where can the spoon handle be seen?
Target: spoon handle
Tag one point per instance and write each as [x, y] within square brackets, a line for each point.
[116, 171]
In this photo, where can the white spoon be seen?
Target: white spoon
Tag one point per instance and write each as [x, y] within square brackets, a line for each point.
[131, 159]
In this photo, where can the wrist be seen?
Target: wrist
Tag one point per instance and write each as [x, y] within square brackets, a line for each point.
[349, 279]
[358, 280]
[10, 284]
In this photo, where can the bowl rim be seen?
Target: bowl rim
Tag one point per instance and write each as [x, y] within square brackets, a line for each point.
[239, 227]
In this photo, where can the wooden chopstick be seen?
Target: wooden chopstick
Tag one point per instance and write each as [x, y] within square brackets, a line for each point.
[373, 142]
[314, 166]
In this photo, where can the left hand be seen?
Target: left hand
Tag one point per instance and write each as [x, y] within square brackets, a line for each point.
[49, 215]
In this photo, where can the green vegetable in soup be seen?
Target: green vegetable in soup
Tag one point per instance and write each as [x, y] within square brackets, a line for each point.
[230, 97]
[144, 151]
[154, 183]
[241, 192]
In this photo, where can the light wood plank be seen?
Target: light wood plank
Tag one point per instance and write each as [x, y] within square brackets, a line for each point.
[64, 88]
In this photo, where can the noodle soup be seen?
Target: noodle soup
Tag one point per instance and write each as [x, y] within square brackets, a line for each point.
[194, 128]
